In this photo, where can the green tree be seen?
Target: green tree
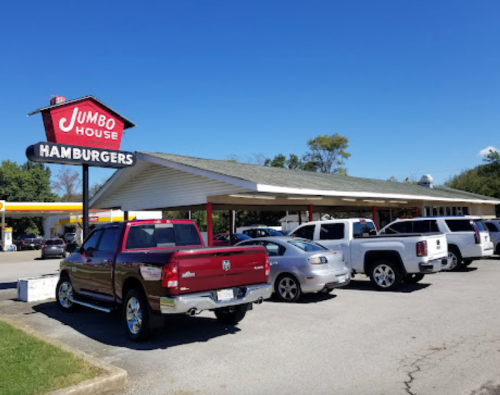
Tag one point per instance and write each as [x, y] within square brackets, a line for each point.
[492, 157]
[328, 153]
[29, 182]
[483, 180]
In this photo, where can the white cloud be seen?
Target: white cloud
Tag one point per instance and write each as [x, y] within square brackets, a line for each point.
[487, 150]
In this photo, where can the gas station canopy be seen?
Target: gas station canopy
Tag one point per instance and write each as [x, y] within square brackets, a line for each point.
[40, 209]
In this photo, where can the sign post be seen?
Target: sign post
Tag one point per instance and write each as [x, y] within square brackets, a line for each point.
[82, 132]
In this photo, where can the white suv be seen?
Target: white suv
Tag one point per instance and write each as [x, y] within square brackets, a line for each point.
[467, 237]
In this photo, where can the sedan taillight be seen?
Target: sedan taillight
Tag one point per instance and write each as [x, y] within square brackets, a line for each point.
[422, 248]
[317, 260]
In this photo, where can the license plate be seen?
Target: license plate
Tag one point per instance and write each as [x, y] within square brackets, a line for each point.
[225, 294]
[341, 279]
[32, 245]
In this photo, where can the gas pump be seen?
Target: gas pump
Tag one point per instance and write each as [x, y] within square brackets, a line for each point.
[7, 240]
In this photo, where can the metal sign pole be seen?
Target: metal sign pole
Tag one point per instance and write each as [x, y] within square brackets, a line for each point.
[85, 217]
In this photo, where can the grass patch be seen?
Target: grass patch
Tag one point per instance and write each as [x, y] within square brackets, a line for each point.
[31, 366]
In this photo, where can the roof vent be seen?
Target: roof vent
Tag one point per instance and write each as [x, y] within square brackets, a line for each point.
[57, 100]
[427, 181]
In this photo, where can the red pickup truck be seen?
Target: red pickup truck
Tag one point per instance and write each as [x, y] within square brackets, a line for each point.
[154, 267]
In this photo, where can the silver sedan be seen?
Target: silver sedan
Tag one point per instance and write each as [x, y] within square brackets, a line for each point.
[299, 266]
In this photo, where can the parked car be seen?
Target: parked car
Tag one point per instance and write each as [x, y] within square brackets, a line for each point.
[467, 237]
[388, 260]
[28, 242]
[152, 267]
[69, 238]
[54, 248]
[222, 239]
[299, 267]
[262, 232]
[493, 226]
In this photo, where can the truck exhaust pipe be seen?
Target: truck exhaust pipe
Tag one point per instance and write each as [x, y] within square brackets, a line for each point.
[259, 301]
[191, 312]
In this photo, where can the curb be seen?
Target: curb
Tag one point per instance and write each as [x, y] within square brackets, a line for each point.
[113, 379]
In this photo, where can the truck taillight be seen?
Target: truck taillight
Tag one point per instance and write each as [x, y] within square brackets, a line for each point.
[266, 266]
[477, 235]
[170, 277]
[422, 248]
[22, 241]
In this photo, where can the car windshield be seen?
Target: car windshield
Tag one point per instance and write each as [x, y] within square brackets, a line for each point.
[54, 242]
[30, 236]
[306, 246]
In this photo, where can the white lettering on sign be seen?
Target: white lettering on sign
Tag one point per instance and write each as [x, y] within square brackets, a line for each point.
[89, 117]
[94, 156]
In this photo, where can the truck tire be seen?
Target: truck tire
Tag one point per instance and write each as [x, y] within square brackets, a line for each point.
[287, 288]
[230, 316]
[456, 259]
[413, 278]
[65, 294]
[136, 315]
[386, 275]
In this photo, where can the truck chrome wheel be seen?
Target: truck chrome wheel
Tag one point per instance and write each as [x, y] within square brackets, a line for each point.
[134, 316]
[384, 276]
[65, 295]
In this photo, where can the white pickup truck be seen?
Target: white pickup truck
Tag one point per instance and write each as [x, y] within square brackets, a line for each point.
[467, 237]
[389, 260]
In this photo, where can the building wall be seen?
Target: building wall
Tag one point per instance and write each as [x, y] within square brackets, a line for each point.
[154, 186]
[484, 210]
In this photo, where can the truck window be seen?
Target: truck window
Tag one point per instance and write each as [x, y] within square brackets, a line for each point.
[306, 232]
[480, 225]
[92, 241]
[360, 229]
[460, 225]
[398, 227]
[331, 231]
[109, 240]
[491, 227]
[162, 235]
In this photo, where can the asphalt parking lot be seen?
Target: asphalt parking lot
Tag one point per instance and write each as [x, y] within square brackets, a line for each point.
[438, 337]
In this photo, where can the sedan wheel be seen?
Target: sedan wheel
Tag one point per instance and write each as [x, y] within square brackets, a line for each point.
[288, 289]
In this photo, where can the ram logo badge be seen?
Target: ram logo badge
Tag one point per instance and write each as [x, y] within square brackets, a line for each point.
[188, 274]
[226, 265]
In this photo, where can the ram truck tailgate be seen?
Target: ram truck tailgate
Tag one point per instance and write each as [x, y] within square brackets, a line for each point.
[215, 268]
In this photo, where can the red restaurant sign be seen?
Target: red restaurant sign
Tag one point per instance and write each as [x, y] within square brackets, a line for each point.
[84, 122]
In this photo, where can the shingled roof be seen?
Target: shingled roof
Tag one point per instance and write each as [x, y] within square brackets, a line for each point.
[299, 179]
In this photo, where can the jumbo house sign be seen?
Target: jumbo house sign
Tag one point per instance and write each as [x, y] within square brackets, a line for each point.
[82, 131]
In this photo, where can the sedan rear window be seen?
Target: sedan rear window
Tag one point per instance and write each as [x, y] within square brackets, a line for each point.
[491, 227]
[54, 242]
[306, 246]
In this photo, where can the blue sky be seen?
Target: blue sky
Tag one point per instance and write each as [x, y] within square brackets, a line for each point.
[414, 85]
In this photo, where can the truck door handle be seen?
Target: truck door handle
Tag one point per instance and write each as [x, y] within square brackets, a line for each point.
[273, 263]
[341, 245]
